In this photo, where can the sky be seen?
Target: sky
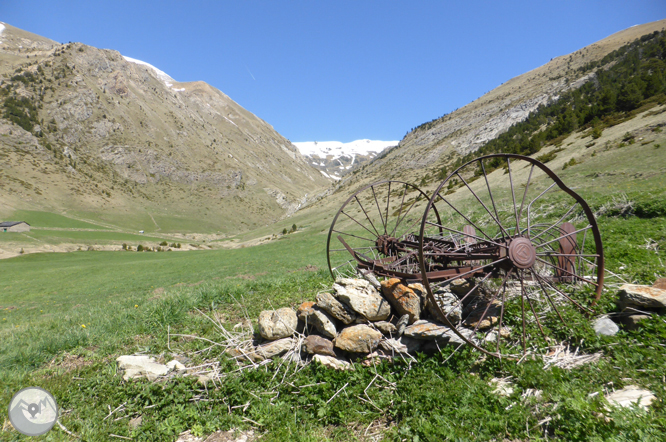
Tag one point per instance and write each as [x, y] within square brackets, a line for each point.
[322, 70]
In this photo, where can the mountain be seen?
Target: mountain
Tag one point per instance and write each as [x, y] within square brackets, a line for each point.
[334, 158]
[428, 151]
[95, 134]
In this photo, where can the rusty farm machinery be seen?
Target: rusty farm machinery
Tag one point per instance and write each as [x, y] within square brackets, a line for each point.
[517, 251]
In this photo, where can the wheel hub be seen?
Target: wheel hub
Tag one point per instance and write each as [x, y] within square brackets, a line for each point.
[522, 253]
[386, 244]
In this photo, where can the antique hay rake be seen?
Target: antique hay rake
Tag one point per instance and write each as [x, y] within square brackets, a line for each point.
[520, 251]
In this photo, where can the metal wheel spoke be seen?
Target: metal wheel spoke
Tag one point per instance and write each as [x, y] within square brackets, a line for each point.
[563, 294]
[527, 186]
[513, 194]
[558, 222]
[543, 289]
[404, 192]
[354, 219]
[366, 215]
[349, 234]
[466, 219]
[378, 209]
[566, 271]
[529, 301]
[467, 234]
[499, 224]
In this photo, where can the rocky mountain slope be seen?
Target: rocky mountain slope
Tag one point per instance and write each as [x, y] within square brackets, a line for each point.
[428, 149]
[89, 131]
[335, 159]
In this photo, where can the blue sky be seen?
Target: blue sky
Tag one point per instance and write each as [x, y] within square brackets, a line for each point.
[338, 70]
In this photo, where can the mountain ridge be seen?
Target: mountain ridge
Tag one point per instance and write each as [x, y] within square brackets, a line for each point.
[109, 135]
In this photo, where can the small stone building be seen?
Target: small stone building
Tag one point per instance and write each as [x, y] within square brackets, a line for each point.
[14, 226]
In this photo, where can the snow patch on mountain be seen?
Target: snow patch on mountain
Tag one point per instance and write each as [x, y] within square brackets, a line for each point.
[160, 74]
[2, 28]
[322, 149]
[334, 158]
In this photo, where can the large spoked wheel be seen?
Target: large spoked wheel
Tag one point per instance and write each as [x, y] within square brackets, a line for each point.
[516, 262]
[374, 231]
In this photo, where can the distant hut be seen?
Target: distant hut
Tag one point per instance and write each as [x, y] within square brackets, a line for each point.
[14, 226]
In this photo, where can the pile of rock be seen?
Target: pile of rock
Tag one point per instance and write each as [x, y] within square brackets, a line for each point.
[358, 319]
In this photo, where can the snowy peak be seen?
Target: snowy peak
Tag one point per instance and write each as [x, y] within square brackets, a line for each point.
[334, 158]
[166, 78]
[336, 148]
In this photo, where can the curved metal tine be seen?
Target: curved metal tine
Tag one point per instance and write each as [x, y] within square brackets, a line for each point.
[461, 300]
[499, 224]
[343, 264]
[402, 202]
[462, 233]
[354, 249]
[529, 301]
[499, 329]
[529, 207]
[527, 186]
[558, 222]
[490, 193]
[563, 294]
[354, 219]
[388, 200]
[582, 249]
[568, 272]
[522, 309]
[466, 219]
[543, 289]
[575, 255]
[563, 236]
[366, 215]
[513, 194]
[407, 212]
[378, 209]
[476, 269]
[485, 312]
[359, 237]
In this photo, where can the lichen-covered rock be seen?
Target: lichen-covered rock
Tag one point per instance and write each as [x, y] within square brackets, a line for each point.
[428, 330]
[606, 327]
[403, 299]
[277, 324]
[358, 339]
[304, 310]
[318, 345]
[335, 308]
[642, 296]
[392, 346]
[246, 353]
[449, 304]
[275, 348]
[385, 327]
[484, 316]
[363, 298]
[334, 363]
[402, 323]
[460, 286]
[323, 323]
[631, 396]
[138, 366]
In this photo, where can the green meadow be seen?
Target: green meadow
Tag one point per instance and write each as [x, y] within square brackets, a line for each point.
[66, 317]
